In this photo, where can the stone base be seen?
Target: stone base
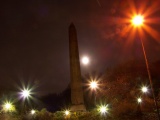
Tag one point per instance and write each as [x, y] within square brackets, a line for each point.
[80, 107]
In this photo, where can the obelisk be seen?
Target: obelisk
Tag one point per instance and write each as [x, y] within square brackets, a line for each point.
[75, 72]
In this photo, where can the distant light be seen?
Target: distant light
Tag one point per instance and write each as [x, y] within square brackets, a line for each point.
[93, 84]
[139, 100]
[103, 109]
[67, 112]
[25, 93]
[137, 20]
[85, 60]
[8, 107]
[144, 89]
[33, 112]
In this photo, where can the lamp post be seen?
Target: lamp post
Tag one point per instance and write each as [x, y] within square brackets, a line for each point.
[103, 110]
[25, 94]
[139, 101]
[67, 114]
[137, 21]
[94, 85]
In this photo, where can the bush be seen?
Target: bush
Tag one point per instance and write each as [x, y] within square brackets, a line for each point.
[44, 115]
[124, 107]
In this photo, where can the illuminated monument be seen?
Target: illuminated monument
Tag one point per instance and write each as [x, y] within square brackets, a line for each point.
[75, 72]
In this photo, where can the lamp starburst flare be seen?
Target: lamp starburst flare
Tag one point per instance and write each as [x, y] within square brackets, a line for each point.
[67, 112]
[139, 100]
[25, 93]
[144, 89]
[103, 109]
[8, 107]
[33, 112]
[137, 20]
[93, 85]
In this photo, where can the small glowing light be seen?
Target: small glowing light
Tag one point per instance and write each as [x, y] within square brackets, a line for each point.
[33, 112]
[85, 60]
[137, 20]
[139, 100]
[144, 89]
[25, 93]
[67, 112]
[103, 109]
[93, 84]
[8, 107]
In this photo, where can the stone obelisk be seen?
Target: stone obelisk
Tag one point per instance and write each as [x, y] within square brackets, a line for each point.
[75, 72]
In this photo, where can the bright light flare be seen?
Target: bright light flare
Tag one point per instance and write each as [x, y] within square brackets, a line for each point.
[139, 100]
[103, 109]
[93, 85]
[33, 112]
[137, 20]
[8, 107]
[85, 60]
[144, 89]
[66, 112]
[143, 19]
[25, 93]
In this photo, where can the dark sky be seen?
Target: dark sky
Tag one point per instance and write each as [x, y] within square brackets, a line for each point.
[34, 38]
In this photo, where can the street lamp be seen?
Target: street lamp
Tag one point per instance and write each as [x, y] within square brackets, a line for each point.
[139, 100]
[25, 93]
[8, 107]
[66, 112]
[144, 89]
[33, 112]
[94, 86]
[137, 21]
[103, 109]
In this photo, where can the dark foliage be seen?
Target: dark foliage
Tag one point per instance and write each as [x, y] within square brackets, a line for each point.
[55, 102]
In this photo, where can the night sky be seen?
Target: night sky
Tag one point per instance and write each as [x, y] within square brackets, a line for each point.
[34, 38]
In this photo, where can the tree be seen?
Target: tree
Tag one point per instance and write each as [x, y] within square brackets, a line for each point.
[122, 87]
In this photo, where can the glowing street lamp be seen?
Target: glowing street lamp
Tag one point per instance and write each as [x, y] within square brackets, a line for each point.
[139, 100]
[137, 21]
[25, 93]
[33, 112]
[8, 107]
[66, 112]
[93, 85]
[144, 89]
[103, 109]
